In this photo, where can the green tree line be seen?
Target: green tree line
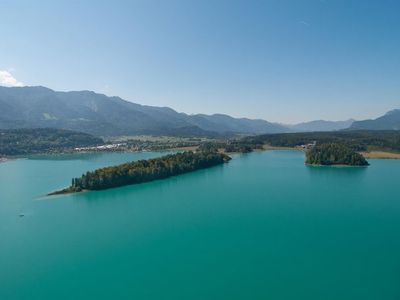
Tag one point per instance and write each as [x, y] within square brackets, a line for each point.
[361, 140]
[145, 170]
[334, 154]
[43, 140]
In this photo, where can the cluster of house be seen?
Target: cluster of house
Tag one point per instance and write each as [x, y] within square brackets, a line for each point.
[102, 147]
[308, 146]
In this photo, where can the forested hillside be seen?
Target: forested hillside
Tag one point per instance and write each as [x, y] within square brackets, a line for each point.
[42, 140]
[362, 140]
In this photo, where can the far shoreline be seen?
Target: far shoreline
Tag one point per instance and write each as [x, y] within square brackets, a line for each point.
[366, 154]
[4, 159]
[335, 166]
[269, 147]
[380, 155]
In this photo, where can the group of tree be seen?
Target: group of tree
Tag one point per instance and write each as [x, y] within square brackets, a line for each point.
[43, 140]
[145, 170]
[360, 140]
[334, 154]
[230, 146]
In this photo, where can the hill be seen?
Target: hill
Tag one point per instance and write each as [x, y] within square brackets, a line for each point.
[32, 141]
[389, 121]
[334, 154]
[98, 114]
[362, 140]
[321, 125]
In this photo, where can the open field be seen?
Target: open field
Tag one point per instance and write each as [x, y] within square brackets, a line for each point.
[381, 154]
[155, 138]
[269, 147]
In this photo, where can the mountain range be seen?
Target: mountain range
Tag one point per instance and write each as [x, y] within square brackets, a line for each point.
[321, 125]
[86, 111]
[98, 114]
[390, 120]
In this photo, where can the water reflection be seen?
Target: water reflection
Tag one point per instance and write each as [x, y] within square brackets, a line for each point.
[335, 172]
[157, 187]
[96, 155]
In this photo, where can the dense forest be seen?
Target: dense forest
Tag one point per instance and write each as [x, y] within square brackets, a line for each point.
[43, 140]
[363, 140]
[228, 146]
[334, 154]
[145, 170]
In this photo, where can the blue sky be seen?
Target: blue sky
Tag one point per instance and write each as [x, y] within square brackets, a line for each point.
[283, 61]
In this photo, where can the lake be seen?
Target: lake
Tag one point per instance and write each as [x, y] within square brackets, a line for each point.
[263, 226]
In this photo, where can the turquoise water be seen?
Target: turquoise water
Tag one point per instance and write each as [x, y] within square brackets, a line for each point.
[264, 226]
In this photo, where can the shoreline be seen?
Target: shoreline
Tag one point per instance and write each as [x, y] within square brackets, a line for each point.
[187, 148]
[380, 155]
[35, 155]
[279, 148]
[7, 159]
[138, 172]
[269, 147]
[366, 154]
[336, 166]
[66, 191]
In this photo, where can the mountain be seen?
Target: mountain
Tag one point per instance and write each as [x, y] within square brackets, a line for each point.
[321, 125]
[225, 123]
[98, 114]
[389, 121]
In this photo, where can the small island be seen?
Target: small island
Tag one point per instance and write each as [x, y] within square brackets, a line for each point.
[144, 171]
[334, 154]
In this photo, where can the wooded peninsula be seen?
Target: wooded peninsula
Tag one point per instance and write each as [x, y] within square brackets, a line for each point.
[144, 170]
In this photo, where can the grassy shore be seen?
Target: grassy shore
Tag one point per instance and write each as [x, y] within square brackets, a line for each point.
[269, 147]
[369, 154]
[381, 154]
[188, 148]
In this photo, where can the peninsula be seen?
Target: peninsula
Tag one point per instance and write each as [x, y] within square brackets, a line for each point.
[144, 170]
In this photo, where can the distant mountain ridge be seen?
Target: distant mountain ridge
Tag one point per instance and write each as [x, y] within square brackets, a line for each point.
[321, 125]
[86, 111]
[389, 121]
[101, 115]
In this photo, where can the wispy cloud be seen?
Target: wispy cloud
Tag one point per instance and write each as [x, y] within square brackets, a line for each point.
[305, 23]
[7, 79]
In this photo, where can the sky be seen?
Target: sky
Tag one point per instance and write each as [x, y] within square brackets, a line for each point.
[285, 61]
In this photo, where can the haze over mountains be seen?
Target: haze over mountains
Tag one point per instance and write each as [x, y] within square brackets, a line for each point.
[98, 114]
[321, 125]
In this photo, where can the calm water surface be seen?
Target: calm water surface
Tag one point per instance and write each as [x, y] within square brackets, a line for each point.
[264, 226]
